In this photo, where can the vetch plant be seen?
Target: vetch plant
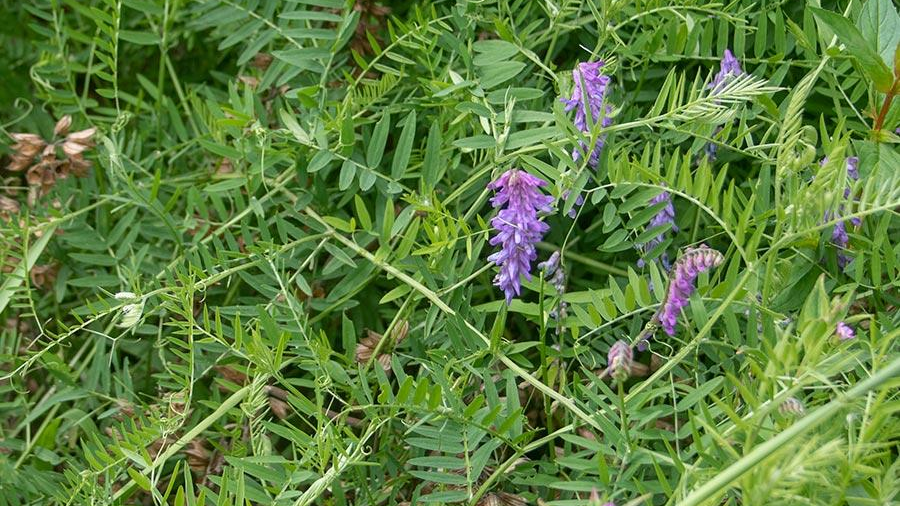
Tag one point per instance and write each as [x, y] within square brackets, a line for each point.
[518, 227]
[322, 254]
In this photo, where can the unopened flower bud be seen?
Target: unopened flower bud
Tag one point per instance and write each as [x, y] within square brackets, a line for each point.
[792, 406]
[620, 360]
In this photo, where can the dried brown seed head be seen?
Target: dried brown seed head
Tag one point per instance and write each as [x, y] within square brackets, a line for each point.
[85, 137]
[367, 346]
[72, 148]
[62, 126]
[230, 374]
[400, 331]
[262, 61]
[8, 207]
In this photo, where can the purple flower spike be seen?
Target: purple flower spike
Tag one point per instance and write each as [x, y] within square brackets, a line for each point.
[664, 216]
[844, 332]
[518, 227]
[619, 360]
[681, 284]
[839, 235]
[729, 68]
[593, 86]
[853, 167]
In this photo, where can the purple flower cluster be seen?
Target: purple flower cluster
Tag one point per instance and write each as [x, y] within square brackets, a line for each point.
[839, 235]
[619, 360]
[589, 98]
[518, 227]
[844, 332]
[729, 68]
[681, 285]
[664, 216]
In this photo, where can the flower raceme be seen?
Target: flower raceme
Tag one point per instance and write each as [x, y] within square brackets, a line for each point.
[729, 68]
[681, 285]
[518, 228]
[664, 216]
[589, 98]
[839, 235]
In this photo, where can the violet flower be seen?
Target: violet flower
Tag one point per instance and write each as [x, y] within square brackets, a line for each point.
[664, 216]
[518, 227]
[844, 332]
[839, 235]
[592, 86]
[619, 360]
[681, 284]
[729, 68]
[579, 200]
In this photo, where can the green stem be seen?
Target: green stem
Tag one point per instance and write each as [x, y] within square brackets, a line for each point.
[436, 300]
[226, 405]
[886, 106]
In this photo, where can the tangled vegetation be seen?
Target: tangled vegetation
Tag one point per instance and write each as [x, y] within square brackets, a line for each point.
[495, 252]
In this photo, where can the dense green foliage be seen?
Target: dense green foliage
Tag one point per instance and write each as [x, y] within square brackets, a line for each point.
[195, 295]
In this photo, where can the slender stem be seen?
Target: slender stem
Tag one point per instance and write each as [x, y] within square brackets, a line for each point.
[436, 300]
[226, 405]
[886, 106]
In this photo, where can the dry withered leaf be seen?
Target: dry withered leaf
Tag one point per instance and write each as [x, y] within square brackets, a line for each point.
[231, 374]
[197, 456]
[43, 276]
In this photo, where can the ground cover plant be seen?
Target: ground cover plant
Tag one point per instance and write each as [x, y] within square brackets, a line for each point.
[497, 252]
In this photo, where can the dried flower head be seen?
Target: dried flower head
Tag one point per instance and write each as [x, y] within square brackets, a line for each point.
[39, 159]
[681, 284]
[588, 99]
[62, 126]
[666, 215]
[8, 207]
[518, 228]
[369, 344]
